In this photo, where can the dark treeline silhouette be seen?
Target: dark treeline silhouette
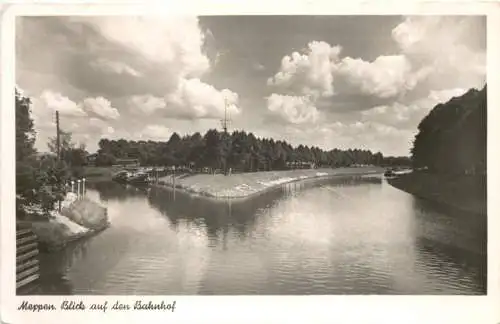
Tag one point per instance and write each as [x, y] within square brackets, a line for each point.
[451, 139]
[240, 151]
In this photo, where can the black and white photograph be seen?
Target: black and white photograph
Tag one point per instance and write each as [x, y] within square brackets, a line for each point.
[250, 155]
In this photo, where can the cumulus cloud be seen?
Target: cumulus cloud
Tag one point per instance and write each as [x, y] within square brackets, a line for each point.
[386, 76]
[320, 70]
[146, 104]
[175, 47]
[438, 96]
[111, 66]
[191, 100]
[53, 101]
[440, 44]
[175, 42]
[150, 66]
[433, 50]
[292, 109]
[310, 73]
[196, 99]
[101, 107]
[156, 132]
[407, 116]
[84, 120]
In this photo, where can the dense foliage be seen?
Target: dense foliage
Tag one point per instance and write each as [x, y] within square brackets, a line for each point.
[39, 178]
[452, 137]
[239, 151]
[74, 157]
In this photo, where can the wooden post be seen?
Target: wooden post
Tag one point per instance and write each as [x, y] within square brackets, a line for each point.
[58, 139]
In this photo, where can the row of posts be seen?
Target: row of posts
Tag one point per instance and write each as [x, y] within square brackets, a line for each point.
[79, 185]
[157, 176]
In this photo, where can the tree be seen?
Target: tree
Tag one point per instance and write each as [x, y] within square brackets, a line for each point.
[239, 150]
[26, 184]
[25, 132]
[39, 179]
[452, 137]
[74, 157]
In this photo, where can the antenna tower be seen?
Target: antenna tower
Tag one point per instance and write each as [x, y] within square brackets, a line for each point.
[226, 121]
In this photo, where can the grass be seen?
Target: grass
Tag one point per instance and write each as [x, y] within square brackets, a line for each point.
[464, 192]
[247, 184]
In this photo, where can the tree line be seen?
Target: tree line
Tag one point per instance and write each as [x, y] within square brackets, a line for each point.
[239, 150]
[452, 137]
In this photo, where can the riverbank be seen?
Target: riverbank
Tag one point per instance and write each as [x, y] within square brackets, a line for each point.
[79, 218]
[465, 193]
[245, 185]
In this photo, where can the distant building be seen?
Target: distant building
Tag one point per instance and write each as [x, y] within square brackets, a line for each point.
[91, 159]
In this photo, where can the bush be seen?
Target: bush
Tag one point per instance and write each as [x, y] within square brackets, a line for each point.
[87, 214]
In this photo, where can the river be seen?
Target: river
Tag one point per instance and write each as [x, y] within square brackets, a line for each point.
[338, 236]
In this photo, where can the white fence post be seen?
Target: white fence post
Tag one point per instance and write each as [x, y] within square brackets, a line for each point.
[78, 194]
[83, 188]
[72, 186]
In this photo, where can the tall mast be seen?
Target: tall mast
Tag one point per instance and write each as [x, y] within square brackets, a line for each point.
[226, 121]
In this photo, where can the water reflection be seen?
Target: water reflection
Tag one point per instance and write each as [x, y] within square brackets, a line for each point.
[53, 271]
[352, 235]
[117, 191]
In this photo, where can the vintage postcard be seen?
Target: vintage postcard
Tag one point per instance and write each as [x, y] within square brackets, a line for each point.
[172, 165]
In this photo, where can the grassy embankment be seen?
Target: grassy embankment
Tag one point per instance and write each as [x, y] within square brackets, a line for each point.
[78, 218]
[466, 193]
[245, 185]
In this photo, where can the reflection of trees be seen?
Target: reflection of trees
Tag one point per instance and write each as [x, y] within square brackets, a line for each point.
[111, 190]
[219, 216]
[443, 256]
[451, 238]
[54, 266]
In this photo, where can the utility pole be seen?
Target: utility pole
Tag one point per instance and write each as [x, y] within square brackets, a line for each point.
[58, 138]
[58, 144]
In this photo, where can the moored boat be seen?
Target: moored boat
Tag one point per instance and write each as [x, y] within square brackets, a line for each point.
[131, 177]
[389, 174]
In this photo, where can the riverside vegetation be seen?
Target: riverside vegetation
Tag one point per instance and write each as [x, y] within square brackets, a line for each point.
[42, 197]
[449, 154]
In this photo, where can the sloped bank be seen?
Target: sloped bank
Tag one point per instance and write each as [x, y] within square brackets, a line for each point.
[464, 193]
[246, 185]
[79, 218]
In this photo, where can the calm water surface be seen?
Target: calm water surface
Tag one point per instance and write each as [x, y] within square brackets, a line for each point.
[342, 236]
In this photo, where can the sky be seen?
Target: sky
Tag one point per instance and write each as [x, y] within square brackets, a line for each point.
[330, 81]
